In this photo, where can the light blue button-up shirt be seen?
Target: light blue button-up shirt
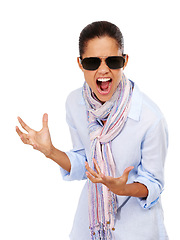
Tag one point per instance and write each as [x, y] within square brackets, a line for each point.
[143, 144]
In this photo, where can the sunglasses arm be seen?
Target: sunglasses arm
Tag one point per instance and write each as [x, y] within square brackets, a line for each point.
[126, 57]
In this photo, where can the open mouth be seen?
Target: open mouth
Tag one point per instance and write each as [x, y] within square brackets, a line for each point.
[104, 85]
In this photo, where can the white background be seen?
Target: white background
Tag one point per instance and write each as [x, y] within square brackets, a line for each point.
[38, 69]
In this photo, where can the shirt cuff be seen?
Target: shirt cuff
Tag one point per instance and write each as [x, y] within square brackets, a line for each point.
[77, 167]
[154, 192]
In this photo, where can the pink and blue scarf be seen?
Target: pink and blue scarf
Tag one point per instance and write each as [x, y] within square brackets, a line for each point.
[102, 202]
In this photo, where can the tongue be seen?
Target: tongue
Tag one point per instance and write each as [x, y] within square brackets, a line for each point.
[104, 85]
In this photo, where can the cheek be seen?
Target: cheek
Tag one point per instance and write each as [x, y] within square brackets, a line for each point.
[118, 75]
[89, 77]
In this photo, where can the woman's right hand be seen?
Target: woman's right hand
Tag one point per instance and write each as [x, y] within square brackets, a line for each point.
[39, 140]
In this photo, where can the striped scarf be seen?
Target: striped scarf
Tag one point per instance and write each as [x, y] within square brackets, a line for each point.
[102, 202]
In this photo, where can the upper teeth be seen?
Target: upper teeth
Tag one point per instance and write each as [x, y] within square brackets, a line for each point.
[103, 79]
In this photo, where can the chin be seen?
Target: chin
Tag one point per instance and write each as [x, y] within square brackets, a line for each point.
[103, 98]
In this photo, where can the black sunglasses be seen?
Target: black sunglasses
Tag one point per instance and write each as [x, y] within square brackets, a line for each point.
[93, 63]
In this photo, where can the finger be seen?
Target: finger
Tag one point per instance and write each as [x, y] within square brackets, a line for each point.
[93, 179]
[128, 169]
[45, 120]
[25, 139]
[107, 180]
[24, 126]
[23, 136]
[90, 170]
[96, 166]
[126, 172]
[35, 146]
[18, 131]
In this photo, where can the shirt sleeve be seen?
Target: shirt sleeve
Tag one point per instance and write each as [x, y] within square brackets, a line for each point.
[151, 169]
[77, 155]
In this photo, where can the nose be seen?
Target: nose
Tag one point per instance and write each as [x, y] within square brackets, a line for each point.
[103, 68]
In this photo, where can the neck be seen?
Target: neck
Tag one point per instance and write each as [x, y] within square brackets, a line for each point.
[103, 122]
[94, 95]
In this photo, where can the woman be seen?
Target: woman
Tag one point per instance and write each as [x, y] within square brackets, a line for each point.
[119, 143]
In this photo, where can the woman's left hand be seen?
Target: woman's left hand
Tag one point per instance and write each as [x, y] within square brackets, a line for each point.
[116, 185]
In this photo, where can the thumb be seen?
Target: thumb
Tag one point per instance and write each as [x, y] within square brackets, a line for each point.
[126, 172]
[45, 120]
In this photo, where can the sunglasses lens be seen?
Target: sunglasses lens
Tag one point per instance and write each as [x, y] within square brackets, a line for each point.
[115, 62]
[91, 63]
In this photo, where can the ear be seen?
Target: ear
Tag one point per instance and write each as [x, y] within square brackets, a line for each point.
[126, 60]
[79, 63]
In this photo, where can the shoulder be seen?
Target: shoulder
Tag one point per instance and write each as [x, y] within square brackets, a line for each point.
[150, 108]
[144, 110]
[152, 119]
[76, 115]
[75, 106]
[75, 98]
[75, 95]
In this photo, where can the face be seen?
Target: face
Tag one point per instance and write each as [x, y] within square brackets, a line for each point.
[103, 81]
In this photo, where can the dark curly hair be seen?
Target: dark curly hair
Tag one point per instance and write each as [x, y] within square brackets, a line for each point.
[100, 29]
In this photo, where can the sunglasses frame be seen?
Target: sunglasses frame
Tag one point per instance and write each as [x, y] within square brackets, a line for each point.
[100, 60]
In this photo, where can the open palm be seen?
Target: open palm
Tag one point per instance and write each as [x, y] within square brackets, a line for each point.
[40, 140]
[115, 185]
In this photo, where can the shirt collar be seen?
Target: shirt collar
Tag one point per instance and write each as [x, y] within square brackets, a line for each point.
[136, 104]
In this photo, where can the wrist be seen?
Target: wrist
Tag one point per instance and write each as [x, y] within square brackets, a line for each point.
[50, 152]
[60, 158]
